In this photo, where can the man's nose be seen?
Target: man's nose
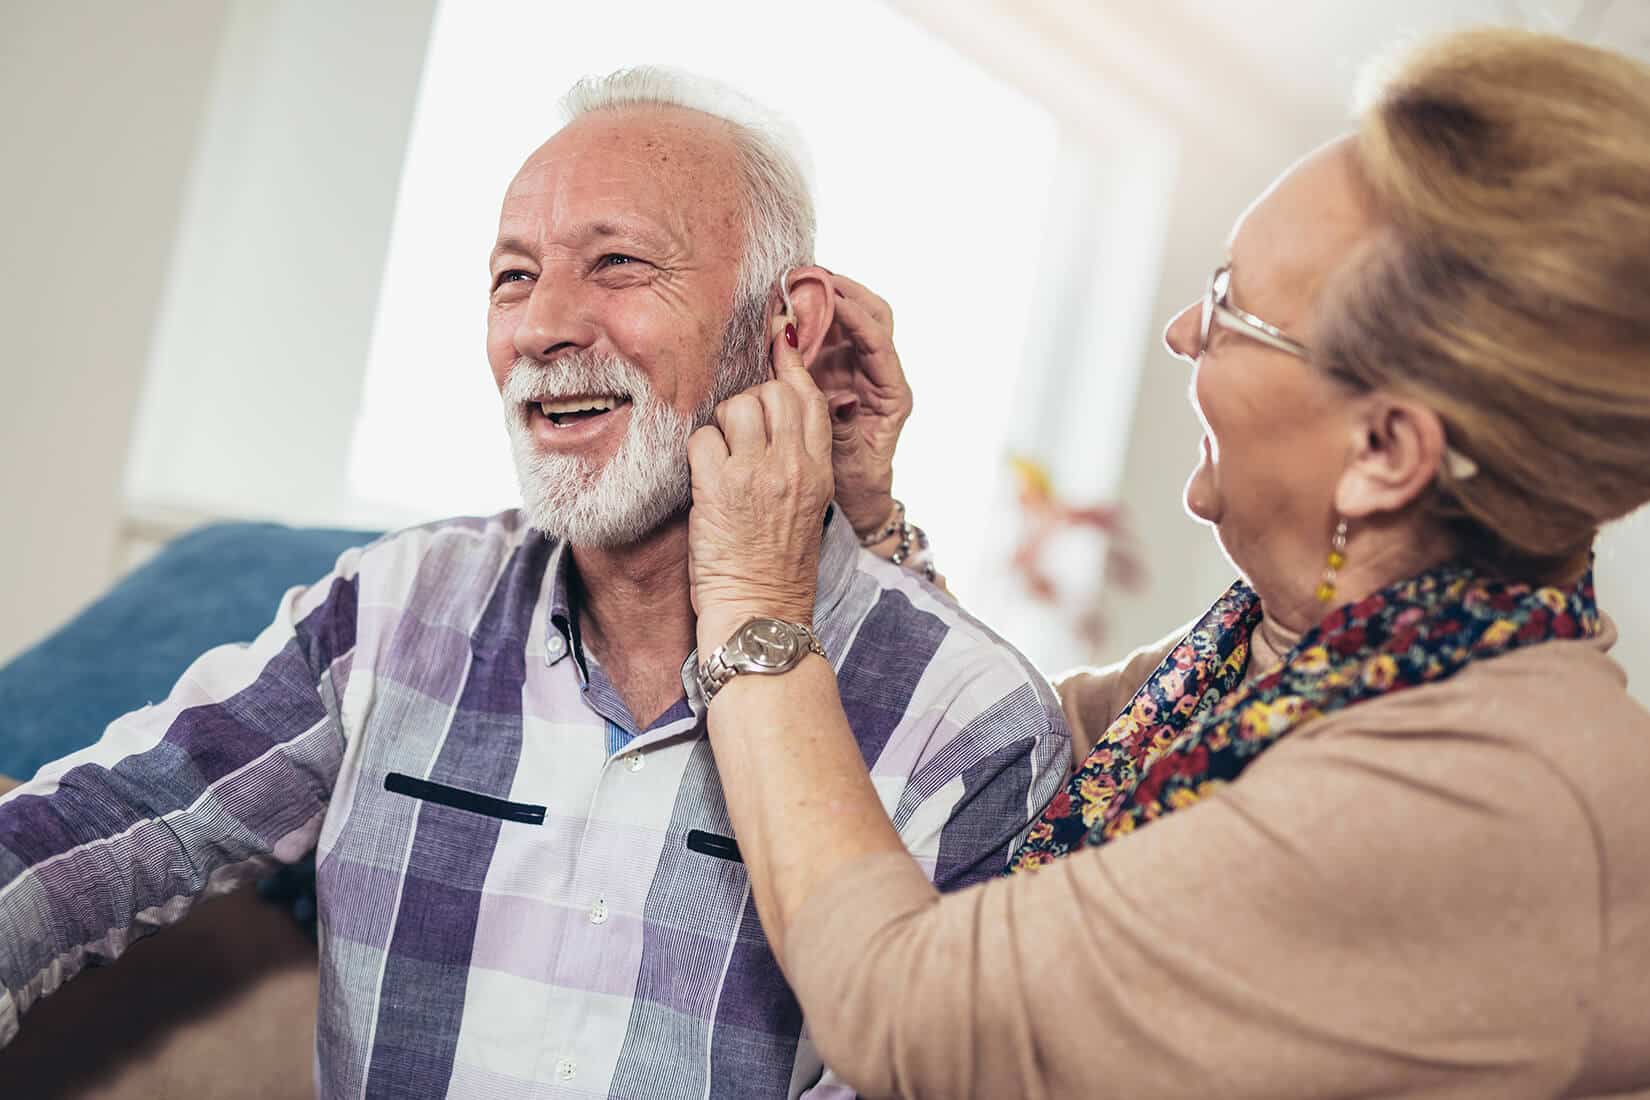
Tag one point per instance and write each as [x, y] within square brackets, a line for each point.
[556, 318]
[1181, 335]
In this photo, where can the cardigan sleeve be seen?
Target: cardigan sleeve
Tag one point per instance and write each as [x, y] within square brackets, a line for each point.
[1376, 912]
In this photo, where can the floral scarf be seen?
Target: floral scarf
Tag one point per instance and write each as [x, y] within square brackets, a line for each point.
[1196, 724]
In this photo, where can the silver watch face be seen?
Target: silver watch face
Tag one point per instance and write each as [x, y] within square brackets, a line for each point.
[768, 644]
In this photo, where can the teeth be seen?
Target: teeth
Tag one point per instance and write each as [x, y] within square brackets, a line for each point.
[579, 404]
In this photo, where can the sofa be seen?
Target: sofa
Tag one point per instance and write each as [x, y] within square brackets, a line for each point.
[222, 1004]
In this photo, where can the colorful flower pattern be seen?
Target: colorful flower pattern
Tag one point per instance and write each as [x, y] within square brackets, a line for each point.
[1196, 724]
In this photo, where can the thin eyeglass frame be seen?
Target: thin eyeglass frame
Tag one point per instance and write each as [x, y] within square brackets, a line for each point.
[1244, 323]
[1216, 308]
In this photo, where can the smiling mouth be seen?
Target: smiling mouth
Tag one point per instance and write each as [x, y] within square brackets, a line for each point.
[565, 412]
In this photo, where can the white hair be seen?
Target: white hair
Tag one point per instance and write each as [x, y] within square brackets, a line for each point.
[779, 208]
[647, 481]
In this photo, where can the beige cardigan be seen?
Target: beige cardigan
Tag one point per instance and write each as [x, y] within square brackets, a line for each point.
[1439, 893]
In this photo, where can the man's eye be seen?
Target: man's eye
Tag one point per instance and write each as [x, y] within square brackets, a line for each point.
[616, 259]
[511, 277]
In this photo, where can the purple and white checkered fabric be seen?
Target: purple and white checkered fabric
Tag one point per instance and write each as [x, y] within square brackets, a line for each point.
[467, 950]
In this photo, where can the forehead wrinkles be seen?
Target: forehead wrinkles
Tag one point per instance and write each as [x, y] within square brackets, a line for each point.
[672, 166]
[544, 206]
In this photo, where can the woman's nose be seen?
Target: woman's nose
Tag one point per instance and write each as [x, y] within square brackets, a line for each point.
[1181, 335]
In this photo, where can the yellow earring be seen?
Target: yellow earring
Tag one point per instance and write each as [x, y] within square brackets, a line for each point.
[1337, 558]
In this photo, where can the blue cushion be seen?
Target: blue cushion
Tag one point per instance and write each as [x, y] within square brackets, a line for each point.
[214, 585]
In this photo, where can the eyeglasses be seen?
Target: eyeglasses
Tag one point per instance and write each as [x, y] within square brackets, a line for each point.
[1217, 310]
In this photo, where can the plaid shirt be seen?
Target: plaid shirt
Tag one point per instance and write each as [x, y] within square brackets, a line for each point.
[521, 894]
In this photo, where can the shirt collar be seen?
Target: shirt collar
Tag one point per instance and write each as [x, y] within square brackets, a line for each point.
[561, 635]
[838, 551]
[838, 562]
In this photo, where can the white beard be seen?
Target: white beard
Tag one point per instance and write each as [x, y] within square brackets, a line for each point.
[647, 481]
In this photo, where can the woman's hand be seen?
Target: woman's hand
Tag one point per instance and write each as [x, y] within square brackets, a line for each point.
[869, 401]
[761, 483]
[799, 798]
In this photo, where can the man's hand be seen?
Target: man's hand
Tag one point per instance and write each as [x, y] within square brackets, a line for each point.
[761, 483]
[869, 401]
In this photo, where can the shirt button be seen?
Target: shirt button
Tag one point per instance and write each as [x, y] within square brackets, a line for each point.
[553, 645]
[634, 761]
[566, 1068]
[598, 912]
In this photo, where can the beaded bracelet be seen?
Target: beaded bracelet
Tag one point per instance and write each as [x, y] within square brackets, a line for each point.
[896, 520]
[923, 560]
[903, 550]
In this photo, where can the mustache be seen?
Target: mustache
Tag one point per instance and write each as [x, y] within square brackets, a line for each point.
[575, 374]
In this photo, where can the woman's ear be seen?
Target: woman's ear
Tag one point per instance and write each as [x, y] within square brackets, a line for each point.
[812, 301]
[1396, 450]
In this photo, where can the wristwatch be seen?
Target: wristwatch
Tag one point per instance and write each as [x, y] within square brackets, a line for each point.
[763, 646]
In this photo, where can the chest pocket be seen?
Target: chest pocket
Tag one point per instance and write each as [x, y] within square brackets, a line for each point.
[424, 790]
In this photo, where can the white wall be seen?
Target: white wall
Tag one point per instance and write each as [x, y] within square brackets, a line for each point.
[101, 106]
[278, 264]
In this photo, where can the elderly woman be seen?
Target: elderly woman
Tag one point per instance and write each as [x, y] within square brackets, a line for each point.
[1376, 823]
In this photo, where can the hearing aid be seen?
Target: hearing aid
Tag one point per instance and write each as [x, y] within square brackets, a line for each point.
[785, 295]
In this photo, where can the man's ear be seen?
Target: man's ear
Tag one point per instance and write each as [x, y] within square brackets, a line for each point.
[1396, 450]
[813, 308]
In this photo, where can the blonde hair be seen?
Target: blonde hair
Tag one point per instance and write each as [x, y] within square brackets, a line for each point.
[1509, 286]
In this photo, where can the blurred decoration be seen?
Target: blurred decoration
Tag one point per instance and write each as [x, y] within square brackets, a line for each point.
[1107, 546]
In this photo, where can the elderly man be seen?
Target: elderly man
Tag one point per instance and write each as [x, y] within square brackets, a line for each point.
[493, 730]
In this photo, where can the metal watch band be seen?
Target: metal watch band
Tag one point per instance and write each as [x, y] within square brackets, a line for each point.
[715, 671]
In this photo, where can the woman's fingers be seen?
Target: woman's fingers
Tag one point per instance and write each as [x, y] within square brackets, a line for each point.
[873, 340]
[782, 410]
[743, 424]
[805, 414]
[761, 482]
[707, 450]
[788, 366]
[859, 295]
